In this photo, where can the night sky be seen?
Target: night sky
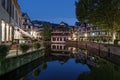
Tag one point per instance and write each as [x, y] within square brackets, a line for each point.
[53, 11]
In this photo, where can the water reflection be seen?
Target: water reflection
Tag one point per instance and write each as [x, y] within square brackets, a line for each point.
[63, 62]
[36, 72]
[103, 71]
[60, 65]
[56, 71]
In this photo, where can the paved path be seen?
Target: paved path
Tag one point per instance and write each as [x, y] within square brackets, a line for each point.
[12, 53]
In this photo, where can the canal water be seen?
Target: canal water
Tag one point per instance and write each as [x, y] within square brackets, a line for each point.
[63, 62]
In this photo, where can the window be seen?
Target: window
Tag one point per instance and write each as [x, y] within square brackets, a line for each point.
[3, 3]
[7, 32]
[60, 39]
[12, 12]
[8, 5]
[54, 39]
[60, 47]
[57, 47]
[16, 16]
[29, 27]
[26, 20]
[10, 33]
[3, 30]
[54, 47]
[64, 39]
[10, 8]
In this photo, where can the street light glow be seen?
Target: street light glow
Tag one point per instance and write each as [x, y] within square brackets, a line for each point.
[85, 34]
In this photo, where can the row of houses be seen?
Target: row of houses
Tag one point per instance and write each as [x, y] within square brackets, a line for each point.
[16, 25]
[88, 32]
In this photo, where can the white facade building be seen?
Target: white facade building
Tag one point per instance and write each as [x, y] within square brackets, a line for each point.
[87, 32]
[10, 17]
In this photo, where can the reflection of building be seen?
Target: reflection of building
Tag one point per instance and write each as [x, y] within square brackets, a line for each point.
[60, 49]
[60, 33]
[10, 17]
[91, 33]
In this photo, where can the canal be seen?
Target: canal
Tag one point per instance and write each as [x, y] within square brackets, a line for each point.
[63, 62]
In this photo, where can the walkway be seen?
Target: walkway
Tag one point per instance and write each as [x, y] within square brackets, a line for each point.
[12, 53]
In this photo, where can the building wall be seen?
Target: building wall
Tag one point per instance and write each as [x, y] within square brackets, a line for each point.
[90, 33]
[10, 15]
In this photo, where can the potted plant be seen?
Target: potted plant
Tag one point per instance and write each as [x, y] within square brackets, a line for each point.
[36, 45]
[24, 47]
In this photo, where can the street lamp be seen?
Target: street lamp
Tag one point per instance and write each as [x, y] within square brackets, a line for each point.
[85, 36]
[93, 34]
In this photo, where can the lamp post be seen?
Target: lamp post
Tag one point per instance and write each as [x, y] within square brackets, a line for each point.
[85, 35]
[93, 34]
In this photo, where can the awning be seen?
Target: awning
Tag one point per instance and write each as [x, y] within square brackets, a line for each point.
[23, 32]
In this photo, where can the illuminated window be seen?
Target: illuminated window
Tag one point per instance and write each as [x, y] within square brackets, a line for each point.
[7, 32]
[10, 33]
[3, 30]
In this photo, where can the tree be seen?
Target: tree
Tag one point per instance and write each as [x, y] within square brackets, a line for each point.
[46, 33]
[103, 13]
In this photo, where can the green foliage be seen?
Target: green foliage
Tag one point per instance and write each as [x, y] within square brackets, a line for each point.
[103, 13]
[103, 71]
[24, 47]
[36, 45]
[4, 49]
[44, 66]
[116, 42]
[46, 33]
[36, 73]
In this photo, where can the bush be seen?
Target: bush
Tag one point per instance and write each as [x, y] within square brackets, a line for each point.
[116, 42]
[4, 49]
[24, 47]
[36, 45]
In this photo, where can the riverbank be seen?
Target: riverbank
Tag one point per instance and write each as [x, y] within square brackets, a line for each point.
[14, 62]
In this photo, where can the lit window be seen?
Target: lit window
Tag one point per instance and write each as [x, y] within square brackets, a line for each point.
[3, 30]
[10, 33]
[7, 32]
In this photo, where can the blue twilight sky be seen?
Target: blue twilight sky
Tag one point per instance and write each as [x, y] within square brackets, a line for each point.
[50, 10]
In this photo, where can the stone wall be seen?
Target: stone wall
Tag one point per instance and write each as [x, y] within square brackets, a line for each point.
[110, 52]
[91, 45]
[10, 64]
